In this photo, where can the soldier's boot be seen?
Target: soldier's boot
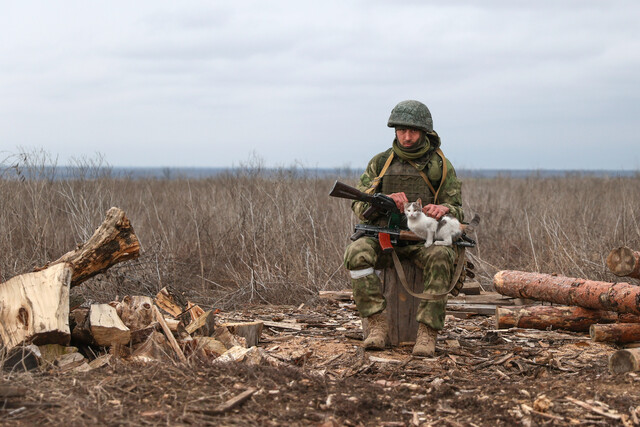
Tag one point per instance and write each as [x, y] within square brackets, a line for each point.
[426, 341]
[378, 331]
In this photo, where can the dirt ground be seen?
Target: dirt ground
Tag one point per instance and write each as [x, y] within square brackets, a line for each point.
[321, 376]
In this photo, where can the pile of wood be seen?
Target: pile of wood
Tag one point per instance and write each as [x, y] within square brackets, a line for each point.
[609, 311]
[38, 328]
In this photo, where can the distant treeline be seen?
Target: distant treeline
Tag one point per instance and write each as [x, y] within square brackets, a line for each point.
[71, 172]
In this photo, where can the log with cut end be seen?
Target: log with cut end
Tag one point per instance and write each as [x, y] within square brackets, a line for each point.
[135, 311]
[114, 241]
[618, 297]
[34, 307]
[617, 332]
[543, 317]
[250, 331]
[204, 324]
[624, 261]
[627, 360]
[106, 327]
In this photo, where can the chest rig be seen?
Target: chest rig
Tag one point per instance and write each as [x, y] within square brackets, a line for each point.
[409, 177]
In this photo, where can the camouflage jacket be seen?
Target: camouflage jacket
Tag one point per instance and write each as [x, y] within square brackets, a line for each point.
[403, 177]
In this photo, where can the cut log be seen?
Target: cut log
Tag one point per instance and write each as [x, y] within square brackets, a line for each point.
[250, 331]
[106, 327]
[624, 261]
[229, 340]
[210, 347]
[543, 317]
[204, 324]
[155, 348]
[617, 332]
[34, 307]
[22, 358]
[171, 301]
[140, 335]
[618, 297]
[113, 242]
[627, 360]
[135, 312]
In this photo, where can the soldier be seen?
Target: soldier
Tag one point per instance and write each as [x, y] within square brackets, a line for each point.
[414, 167]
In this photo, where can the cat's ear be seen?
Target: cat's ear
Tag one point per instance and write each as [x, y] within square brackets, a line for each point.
[406, 204]
[419, 202]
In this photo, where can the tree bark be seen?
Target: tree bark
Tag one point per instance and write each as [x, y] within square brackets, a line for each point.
[617, 332]
[34, 307]
[113, 242]
[623, 262]
[543, 317]
[626, 360]
[618, 297]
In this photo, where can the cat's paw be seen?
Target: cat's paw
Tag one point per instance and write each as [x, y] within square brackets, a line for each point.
[441, 243]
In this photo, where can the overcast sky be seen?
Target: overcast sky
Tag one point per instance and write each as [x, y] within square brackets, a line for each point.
[510, 84]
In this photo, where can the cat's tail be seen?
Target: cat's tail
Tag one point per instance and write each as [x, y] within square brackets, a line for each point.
[471, 227]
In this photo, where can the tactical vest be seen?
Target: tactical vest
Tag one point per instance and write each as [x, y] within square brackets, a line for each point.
[402, 176]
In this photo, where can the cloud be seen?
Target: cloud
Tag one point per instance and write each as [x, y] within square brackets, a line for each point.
[208, 83]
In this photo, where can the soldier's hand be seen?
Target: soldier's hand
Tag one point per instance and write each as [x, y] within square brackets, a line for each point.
[435, 211]
[400, 199]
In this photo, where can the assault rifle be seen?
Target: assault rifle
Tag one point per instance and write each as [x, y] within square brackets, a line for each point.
[390, 237]
[383, 204]
[379, 203]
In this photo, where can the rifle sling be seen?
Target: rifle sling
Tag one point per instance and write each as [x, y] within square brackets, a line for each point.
[424, 295]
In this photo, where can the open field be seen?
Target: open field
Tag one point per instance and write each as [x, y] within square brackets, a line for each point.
[266, 244]
[245, 238]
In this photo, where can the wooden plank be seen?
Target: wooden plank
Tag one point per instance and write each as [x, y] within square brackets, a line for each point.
[483, 309]
[165, 328]
[484, 298]
[283, 325]
[336, 295]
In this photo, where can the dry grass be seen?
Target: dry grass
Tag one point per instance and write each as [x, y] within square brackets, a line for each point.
[249, 236]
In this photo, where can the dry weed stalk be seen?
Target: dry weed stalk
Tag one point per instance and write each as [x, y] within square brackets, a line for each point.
[263, 236]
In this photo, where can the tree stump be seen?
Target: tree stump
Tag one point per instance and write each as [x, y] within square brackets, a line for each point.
[401, 307]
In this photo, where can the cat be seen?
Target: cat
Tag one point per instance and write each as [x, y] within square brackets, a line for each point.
[440, 233]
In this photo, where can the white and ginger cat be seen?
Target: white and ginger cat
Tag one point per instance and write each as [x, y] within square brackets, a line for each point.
[440, 233]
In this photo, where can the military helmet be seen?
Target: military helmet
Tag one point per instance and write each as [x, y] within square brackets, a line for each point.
[411, 114]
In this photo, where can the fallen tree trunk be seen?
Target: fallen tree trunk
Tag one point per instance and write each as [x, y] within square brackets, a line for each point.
[624, 261]
[626, 360]
[113, 242]
[618, 297]
[34, 307]
[617, 332]
[543, 317]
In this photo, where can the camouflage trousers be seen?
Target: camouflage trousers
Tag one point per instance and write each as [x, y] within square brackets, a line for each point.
[364, 256]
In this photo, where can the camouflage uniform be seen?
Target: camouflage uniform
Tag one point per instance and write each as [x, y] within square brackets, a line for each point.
[364, 255]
